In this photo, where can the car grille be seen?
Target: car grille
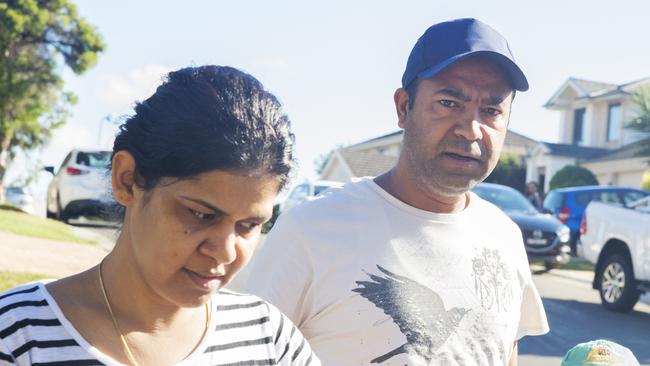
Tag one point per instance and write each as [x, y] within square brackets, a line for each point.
[536, 242]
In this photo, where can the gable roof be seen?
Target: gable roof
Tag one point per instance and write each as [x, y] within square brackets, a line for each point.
[629, 151]
[587, 89]
[368, 163]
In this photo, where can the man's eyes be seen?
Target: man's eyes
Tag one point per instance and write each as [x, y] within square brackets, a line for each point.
[492, 111]
[448, 103]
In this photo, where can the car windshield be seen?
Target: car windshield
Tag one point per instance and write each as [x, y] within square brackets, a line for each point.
[98, 159]
[507, 200]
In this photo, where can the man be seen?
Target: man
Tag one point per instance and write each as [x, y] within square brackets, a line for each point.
[410, 267]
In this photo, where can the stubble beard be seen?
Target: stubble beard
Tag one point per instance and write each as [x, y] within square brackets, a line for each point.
[433, 180]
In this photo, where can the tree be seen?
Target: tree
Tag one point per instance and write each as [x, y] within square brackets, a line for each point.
[36, 38]
[572, 176]
[641, 122]
[510, 171]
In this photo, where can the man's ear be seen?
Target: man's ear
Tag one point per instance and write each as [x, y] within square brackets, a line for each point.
[401, 99]
[123, 177]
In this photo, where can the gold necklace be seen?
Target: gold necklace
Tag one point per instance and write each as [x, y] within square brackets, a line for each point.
[125, 345]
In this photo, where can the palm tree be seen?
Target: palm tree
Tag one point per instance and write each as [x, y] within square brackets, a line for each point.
[641, 122]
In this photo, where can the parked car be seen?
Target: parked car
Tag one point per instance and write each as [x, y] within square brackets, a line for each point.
[19, 198]
[304, 191]
[568, 204]
[81, 185]
[545, 238]
[617, 240]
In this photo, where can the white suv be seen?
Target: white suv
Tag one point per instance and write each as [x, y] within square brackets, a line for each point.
[81, 186]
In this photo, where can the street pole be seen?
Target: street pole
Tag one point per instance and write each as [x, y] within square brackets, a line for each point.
[106, 118]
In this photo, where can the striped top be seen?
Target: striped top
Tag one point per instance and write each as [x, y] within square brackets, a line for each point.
[244, 330]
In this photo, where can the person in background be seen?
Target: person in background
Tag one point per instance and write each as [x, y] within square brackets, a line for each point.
[533, 195]
[196, 170]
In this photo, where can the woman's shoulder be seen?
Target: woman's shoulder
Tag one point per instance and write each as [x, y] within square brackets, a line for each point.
[26, 295]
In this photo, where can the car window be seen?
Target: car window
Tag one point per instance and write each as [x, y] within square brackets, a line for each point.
[606, 197]
[506, 200]
[583, 198]
[300, 191]
[94, 159]
[632, 196]
[15, 190]
[553, 202]
[319, 189]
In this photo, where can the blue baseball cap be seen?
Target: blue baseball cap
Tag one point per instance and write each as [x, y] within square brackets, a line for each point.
[448, 42]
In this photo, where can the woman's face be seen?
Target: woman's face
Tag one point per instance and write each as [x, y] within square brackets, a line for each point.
[190, 237]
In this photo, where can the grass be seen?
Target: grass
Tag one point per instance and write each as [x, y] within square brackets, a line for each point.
[12, 279]
[23, 224]
[575, 264]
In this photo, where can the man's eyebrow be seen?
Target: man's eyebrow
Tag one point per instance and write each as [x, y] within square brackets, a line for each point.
[207, 205]
[454, 94]
[495, 99]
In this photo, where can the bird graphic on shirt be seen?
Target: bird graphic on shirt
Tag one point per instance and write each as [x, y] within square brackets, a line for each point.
[417, 310]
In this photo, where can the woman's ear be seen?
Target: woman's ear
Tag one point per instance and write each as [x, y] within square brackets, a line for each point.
[123, 177]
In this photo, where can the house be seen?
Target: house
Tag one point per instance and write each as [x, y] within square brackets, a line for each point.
[377, 155]
[593, 116]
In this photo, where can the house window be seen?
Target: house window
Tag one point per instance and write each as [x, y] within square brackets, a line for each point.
[578, 125]
[614, 121]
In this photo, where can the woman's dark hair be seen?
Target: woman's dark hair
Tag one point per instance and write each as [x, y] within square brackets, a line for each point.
[207, 118]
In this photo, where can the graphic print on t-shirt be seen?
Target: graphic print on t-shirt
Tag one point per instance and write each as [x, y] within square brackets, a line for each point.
[418, 311]
[492, 280]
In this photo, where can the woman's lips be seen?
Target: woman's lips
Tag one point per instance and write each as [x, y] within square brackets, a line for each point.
[206, 281]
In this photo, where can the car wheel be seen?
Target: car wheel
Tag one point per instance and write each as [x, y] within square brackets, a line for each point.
[617, 284]
[61, 215]
[550, 265]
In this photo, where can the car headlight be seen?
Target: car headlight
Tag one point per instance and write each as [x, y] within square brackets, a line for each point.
[564, 234]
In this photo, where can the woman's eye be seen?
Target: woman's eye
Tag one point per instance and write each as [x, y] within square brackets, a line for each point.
[202, 216]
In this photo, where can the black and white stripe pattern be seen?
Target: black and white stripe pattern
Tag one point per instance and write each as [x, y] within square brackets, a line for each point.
[245, 331]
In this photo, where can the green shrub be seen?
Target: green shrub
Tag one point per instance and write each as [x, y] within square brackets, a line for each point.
[510, 171]
[573, 176]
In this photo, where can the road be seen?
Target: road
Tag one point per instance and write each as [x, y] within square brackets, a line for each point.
[575, 316]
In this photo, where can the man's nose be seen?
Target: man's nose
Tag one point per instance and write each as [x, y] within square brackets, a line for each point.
[469, 125]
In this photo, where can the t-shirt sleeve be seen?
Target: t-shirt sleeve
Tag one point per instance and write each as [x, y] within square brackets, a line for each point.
[533, 316]
[281, 271]
[532, 319]
[291, 348]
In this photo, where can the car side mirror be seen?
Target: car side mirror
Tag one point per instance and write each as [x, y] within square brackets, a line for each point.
[49, 169]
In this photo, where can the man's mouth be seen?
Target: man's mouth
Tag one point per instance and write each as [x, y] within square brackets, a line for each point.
[463, 157]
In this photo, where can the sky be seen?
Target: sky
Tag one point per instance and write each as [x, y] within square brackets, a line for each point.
[334, 65]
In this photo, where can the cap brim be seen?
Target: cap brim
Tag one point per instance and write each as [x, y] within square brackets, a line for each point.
[516, 77]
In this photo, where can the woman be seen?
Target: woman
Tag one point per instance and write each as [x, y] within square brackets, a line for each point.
[196, 169]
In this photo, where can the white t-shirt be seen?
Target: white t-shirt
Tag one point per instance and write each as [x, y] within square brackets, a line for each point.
[371, 280]
[243, 330]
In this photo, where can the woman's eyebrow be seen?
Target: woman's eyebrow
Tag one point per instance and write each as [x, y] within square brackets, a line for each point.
[205, 204]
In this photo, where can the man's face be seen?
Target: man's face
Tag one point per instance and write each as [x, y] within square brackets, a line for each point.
[455, 129]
